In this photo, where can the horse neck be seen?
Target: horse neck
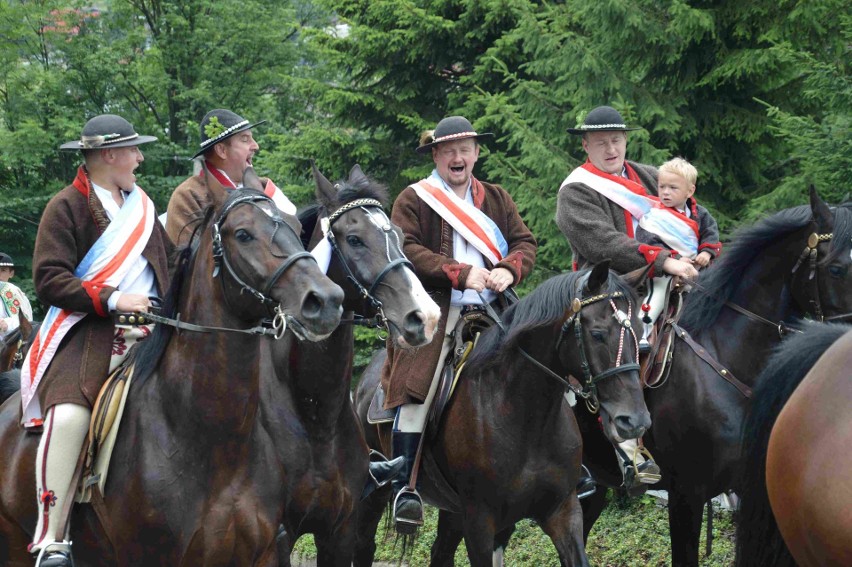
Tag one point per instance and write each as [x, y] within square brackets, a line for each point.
[519, 393]
[210, 379]
[316, 377]
[763, 289]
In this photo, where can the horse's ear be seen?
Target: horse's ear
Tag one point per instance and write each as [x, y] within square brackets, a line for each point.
[251, 180]
[822, 214]
[326, 193]
[636, 279]
[598, 277]
[356, 176]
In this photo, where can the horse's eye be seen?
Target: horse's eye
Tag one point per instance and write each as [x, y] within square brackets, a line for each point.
[243, 235]
[837, 270]
[599, 336]
[354, 241]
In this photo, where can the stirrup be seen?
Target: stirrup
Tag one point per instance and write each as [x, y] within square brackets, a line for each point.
[647, 472]
[407, 526]
[53, 549]
[586, 485]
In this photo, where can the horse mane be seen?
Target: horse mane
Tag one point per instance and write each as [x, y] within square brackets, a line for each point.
[362, 187]
[10, 382]
[747, 246]
[545, 305]
[146, 356]
[758, 540]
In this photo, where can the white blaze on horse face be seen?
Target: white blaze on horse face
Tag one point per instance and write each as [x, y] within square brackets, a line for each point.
[431, 311]
[426, 305]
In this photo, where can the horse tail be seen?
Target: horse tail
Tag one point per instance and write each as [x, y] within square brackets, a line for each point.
[759, 542]
[10, 382]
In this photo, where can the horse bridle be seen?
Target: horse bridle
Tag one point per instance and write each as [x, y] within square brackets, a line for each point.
[220, 259]
[368, 294]
[588, 389]
[811, 253]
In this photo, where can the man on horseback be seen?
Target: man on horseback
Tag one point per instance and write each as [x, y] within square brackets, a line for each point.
[98, 249]
[467, 243]
[12, 300]
[227, 149]
[598, 210]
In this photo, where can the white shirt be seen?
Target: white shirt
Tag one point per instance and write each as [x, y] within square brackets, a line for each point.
[11, 319]
[467, 254]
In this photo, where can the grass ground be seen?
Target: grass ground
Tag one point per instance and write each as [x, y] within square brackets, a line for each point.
[630, 532]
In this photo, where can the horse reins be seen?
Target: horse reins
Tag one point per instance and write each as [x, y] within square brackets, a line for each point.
[588, 388]
[810, 253]
[220, 258]
[368, 294]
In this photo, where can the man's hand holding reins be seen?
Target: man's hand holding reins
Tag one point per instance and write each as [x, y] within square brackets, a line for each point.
[133, 303]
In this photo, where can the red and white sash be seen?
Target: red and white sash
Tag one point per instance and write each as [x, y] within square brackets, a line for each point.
[471, 223]
[271, 190]
[105, 264]
[679, 232]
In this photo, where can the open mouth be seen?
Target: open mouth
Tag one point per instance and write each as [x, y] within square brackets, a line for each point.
[457, 168]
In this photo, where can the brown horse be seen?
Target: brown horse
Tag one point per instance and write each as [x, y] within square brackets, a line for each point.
[191, 481]
[792, 264]
[12, 350]
[800, 465]
[508, 446]
[12, 345]
[321, 446]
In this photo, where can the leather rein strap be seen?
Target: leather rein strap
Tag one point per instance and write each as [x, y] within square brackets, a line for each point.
[702, 353]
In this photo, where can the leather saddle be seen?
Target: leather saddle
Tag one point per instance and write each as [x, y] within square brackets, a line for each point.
[657, 364]
[467, 331]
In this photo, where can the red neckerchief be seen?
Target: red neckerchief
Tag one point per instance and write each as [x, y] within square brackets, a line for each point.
[631, 182]
[226, 182]
[82, 183]
[223, 179]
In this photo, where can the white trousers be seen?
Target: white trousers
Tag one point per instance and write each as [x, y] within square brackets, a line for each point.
[65, 430]
[660, 286]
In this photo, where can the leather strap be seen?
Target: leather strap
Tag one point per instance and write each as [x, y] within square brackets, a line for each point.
[702, 353]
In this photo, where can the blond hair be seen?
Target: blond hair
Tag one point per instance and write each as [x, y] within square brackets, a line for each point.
[680, 166]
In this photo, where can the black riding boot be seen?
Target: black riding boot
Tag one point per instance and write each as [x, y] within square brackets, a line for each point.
[407, 505]
[381, 471]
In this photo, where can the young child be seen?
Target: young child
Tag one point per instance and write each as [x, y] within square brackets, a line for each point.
[676, 186]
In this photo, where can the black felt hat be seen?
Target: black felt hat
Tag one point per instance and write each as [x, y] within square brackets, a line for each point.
[451, 129]
[7, 262]
[107, 131]
[602, 119]
[219, 125]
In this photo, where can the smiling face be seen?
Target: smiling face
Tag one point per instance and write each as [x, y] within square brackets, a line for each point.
[606, 150]
[674, 190]
[234, 155]
[454, 162]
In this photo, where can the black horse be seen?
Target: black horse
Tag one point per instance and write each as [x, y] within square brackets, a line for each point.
[790, 265]
[508, 446]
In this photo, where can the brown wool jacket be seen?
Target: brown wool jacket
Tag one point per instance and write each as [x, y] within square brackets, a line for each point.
[596, 228]
[70, 225]
[429, 245]
[189, 200]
